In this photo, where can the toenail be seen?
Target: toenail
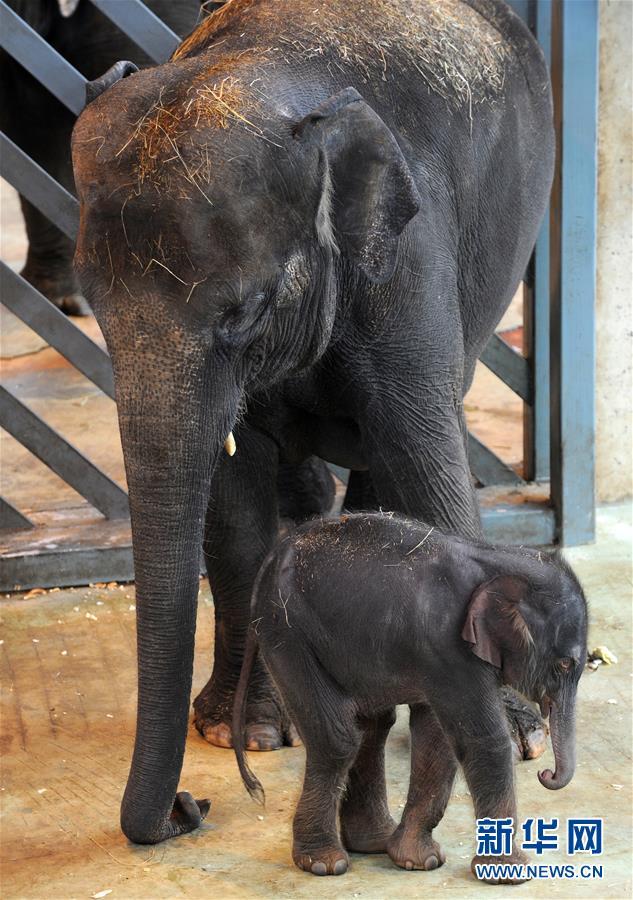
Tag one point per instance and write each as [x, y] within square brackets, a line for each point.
[430, 863]
[408, 865]
[340, 867]
[319, 868]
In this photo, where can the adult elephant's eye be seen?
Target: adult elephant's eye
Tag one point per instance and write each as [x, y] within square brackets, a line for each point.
[565, 664]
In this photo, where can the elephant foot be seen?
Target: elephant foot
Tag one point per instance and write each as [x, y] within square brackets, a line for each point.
[516, 858]
[415, 850]
[324, 861]
[187, 814]
[267, 724]
[363, 832]
[527, 729]
[60, 288]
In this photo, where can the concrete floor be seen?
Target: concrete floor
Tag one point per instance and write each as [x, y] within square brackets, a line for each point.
[68, 710]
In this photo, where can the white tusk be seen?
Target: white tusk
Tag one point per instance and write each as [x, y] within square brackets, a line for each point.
[229, 444]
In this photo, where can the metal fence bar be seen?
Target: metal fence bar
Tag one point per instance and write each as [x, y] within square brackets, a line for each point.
[50, 323]
[573, 269]
[537, 421]
[486, 466]
[532, 524]
[142, 26]
[29, 179]
[11, 518]
[45, 557]
[509, 366]
[41, 60]
[60, 456]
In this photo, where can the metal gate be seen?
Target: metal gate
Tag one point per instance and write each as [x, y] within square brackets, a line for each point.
[553, 377]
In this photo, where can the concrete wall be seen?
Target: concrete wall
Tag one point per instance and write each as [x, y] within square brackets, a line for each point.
[614, 314]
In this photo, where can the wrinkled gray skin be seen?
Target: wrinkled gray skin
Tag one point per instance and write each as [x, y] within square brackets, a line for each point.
[308, 242]
[41, 125]
[356, 615]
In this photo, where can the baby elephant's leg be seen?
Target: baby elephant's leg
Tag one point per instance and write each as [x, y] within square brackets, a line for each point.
[327, 722]
[433, 767]
[317, 847]
[484, 748]
[366, 824]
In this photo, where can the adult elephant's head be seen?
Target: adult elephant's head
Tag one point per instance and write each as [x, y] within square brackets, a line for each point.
[212, 222]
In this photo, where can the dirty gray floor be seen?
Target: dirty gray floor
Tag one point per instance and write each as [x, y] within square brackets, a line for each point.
[68, 717]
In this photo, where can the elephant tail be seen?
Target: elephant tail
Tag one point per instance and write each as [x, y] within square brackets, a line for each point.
[251, 782]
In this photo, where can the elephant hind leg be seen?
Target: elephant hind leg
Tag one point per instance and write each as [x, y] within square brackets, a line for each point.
[433, 768]
[327, 721]
[366, 823]
[305, 489]
[360, 495]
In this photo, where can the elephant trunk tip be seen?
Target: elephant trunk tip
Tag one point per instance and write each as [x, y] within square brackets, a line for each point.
[551, 781]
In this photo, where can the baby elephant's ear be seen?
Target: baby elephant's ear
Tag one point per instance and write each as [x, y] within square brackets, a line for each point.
[494, 625]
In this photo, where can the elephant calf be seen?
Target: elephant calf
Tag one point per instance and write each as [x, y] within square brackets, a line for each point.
[355, 615]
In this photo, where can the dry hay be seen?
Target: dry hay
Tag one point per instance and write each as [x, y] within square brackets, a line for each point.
[459, 54]
[166, 140]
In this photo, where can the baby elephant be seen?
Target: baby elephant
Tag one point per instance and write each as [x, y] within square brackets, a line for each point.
[355, 615]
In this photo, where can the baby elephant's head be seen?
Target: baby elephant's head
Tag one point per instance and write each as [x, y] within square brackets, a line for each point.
[533, 627]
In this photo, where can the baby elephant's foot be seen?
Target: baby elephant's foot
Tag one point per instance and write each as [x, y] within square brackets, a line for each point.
[415, 850]
[493, 875]
[366, 833]
[325, 861]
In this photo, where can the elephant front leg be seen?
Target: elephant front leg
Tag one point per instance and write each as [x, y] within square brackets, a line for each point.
[366, 823]
[241, 528]
[413, 438]
[482, 744]
[433, 767]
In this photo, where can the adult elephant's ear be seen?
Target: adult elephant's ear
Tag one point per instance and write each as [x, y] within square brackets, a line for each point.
[369, 194]
[494, 626]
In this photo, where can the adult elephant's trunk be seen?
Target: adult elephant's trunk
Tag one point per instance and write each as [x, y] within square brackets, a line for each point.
[563, 732]
[171, 435]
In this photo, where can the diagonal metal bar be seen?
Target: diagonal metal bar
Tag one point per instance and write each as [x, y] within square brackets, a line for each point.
[142, 26]
[39, 188]
[11, 518]
[509, 366]
[43, 62]
[45, 319]
[487, 467]
[60, 456]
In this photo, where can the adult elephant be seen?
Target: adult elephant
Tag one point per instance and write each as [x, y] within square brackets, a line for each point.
[42, 125]
[300, 231]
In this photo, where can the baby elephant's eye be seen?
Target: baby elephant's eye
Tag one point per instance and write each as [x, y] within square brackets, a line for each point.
[565, 664]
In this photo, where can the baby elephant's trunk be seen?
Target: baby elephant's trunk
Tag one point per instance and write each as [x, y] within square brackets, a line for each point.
[251, 783]
[563, 730]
